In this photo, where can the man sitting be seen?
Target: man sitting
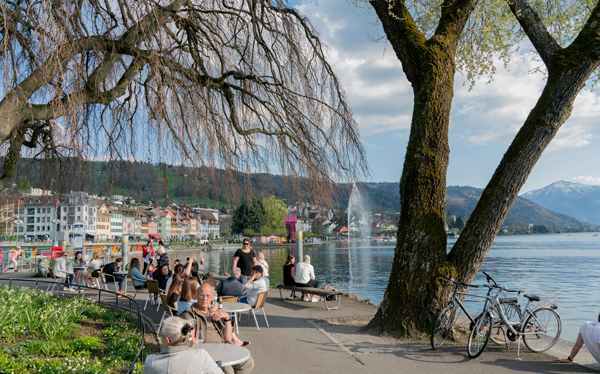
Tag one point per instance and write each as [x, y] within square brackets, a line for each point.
[305, 277]
[114, 267]
[254, 286]
[215, 326]
[232, 286]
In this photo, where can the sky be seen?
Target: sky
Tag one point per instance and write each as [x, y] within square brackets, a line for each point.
[483, 121]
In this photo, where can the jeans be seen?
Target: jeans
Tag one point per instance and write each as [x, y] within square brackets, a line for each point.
[69, 280]
[119, 280]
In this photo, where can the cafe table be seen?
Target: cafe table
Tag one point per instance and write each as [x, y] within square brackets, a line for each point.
[235, 307]
[81, 280]
[228, 354]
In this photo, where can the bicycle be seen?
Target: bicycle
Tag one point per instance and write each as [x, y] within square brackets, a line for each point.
[539, 328]
[442, 325]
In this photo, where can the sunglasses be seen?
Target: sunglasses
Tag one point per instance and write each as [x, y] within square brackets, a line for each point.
[246, 243]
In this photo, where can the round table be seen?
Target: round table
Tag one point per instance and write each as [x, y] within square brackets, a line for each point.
[228, 354]
[234, 307]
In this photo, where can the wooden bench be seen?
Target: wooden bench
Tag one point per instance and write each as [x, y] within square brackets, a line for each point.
[312, 291]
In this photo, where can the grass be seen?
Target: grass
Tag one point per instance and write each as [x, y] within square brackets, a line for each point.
[47, 334]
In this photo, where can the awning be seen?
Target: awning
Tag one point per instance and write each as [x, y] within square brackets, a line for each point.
[155, 236]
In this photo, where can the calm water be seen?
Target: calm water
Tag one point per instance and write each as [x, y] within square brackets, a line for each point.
[570, 263]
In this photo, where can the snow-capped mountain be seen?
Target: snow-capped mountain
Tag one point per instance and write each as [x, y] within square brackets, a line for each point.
[581, 201]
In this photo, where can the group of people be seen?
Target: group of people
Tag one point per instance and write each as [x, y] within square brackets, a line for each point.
[300, 275]
[74, 271]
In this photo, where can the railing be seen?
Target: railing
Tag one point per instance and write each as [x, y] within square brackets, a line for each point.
[132, 307]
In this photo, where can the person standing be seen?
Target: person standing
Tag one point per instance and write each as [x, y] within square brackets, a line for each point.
[13, 258]
[147, 255]
[244, 258]
[163, 257]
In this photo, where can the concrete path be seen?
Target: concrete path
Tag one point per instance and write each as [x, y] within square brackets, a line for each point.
[304, 337]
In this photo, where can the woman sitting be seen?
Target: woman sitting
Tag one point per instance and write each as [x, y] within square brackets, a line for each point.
[188, 294]
[60, 270]
[263, 263]
[79, 262]
[289, 271]
[178, 355]
[174, 292]
[139, 280]
[162, 275]
[95, 266]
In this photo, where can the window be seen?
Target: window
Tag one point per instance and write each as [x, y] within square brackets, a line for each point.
[79, 209]
[38, 219]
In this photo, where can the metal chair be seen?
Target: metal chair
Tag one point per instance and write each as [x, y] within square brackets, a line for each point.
[56, 279]
[106, 279]
[168, 309]
[260, 302]
[152, 290]
[99, 278]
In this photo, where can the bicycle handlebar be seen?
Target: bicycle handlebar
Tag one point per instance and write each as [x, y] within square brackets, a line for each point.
[490, 279]
[456, 282]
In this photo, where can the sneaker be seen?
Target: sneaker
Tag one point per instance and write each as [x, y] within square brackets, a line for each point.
[315, 299]
[16, 271]
[305, 298]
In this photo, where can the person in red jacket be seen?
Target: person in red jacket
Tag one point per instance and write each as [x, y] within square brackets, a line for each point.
[147, 255]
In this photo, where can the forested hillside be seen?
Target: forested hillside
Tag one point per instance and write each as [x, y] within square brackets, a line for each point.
[144, 182]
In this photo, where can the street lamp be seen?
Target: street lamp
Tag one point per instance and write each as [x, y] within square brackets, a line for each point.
[18, 222]
[56, 222]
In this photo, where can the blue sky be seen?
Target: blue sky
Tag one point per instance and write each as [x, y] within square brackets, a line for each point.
[483, 121]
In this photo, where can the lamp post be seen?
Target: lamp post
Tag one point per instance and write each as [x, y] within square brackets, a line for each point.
[56, 222]
[18, 222]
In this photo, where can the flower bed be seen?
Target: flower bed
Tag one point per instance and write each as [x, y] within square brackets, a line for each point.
[43, 333]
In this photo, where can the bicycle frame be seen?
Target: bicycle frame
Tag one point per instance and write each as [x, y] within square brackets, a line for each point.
[495, 306]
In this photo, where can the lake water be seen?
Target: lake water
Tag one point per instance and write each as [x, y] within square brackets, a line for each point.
[570, 262]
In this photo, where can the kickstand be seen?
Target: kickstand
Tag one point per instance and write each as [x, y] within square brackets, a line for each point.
[519, 347]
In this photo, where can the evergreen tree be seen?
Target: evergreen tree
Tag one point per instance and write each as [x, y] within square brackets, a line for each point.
[249, 215]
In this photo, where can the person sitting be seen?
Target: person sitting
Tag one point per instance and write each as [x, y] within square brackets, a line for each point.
[214, 326]
[162, 275]
[174, 292]
[263, 263]
[79, 262]
[289, 271]
[589, 334]
[188, 293]
[305, 277]
[151, 270]
[111, 268]
[232, 286]
[95, 265]
[60, 270]
[178, 355]
[254, 286]
[139, 280]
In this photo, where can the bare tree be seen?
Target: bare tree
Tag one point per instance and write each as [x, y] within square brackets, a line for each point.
[235, 84]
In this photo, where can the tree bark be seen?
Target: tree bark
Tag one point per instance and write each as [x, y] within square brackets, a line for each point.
[409, 302]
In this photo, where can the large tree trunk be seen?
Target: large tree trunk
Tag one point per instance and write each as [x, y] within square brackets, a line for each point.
[409, 301]
[413, 296]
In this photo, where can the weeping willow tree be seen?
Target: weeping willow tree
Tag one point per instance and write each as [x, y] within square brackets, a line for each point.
[433, 39]
[234, 84]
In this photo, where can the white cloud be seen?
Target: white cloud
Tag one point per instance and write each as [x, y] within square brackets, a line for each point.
[587, 180]
[571, 136]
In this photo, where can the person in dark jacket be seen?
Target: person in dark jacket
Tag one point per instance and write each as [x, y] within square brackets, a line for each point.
[232, 286]
[114, 267]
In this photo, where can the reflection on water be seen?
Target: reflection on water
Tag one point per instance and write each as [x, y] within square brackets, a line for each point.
[571, 263]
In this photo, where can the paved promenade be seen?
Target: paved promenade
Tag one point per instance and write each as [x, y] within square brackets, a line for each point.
[303, 337]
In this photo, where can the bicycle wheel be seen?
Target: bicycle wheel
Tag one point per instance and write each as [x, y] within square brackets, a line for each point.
[479, 336]
[542, 329]
[513, 314]
[442, 326]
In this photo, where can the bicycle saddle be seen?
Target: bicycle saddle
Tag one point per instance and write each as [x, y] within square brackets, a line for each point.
[533, 297]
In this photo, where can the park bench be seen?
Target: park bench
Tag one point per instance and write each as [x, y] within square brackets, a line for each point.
[312, 291]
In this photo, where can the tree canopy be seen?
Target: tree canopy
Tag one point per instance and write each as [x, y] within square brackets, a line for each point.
[239, 85]
[250, 215]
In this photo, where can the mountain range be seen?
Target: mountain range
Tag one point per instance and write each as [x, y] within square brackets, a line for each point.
[581, 201]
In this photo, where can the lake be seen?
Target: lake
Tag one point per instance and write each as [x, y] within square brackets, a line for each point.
[570, 262]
